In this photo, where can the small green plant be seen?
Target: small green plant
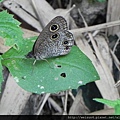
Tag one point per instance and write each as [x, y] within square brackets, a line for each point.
[114, 104]
[60, 73]
[93, 1]
[101, 0]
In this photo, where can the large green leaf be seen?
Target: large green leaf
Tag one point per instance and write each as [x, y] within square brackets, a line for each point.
[58, 74]
[9, 29]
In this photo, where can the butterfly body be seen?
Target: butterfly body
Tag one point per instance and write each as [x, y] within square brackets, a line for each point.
[54, 40]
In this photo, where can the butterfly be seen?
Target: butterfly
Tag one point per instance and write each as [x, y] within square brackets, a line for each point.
[54, 40]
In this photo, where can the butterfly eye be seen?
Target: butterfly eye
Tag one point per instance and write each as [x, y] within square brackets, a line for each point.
[54, 27]
[55, 36]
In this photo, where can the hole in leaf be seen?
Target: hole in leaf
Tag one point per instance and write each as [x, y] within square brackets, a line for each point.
[59, 66]
[63, 75]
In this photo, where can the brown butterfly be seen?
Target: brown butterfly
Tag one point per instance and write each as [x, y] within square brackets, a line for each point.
[54, 40]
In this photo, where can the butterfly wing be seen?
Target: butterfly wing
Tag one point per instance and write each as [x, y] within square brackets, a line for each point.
[54, 40]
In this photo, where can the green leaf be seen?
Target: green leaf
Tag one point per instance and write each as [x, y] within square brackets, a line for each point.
[1, 1]
[1, 75]
[105, 101]
[114, 104]
[101, 0]
[117, 109]
[58, 74]
[9, 29]
[94, 1]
